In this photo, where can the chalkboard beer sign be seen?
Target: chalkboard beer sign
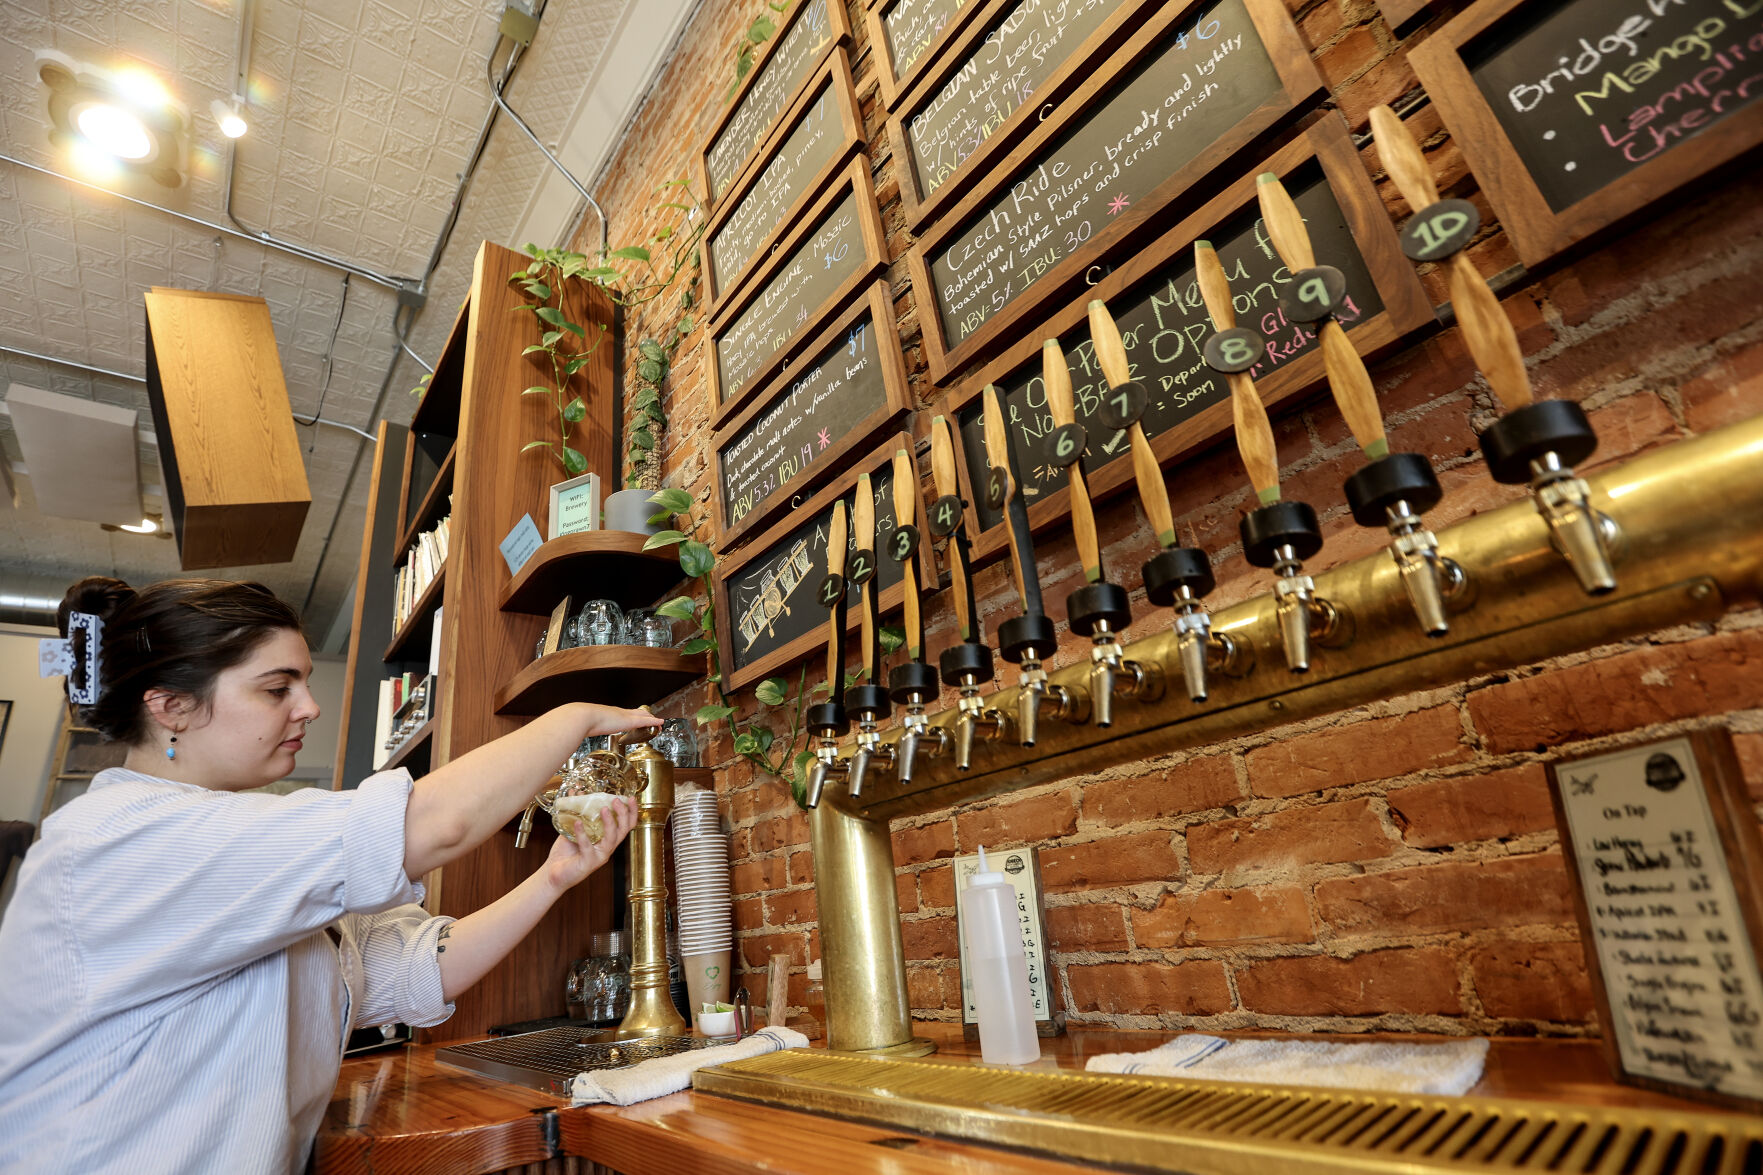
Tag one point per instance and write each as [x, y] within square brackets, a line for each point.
[1576, 113]
[906, 35]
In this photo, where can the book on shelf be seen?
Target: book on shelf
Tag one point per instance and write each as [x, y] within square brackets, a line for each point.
[422, 562]
[382, 725]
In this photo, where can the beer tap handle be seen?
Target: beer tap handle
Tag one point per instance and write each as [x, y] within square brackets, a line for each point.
[1486, 330]
[863, 569]
[942, 461]
[905, 543]
[1254, 433]
[1022, 567]
[1347, 376]
[833, 597]
[1067, 443]
[1111, 354]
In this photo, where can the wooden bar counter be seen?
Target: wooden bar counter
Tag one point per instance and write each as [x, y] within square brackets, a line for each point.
[399, 1112]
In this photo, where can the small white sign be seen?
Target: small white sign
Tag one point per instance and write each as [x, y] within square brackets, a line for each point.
[1022, 869]
[520, 544]
[575, 505]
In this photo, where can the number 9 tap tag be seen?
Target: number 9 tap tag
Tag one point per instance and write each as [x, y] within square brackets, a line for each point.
[1315, 294]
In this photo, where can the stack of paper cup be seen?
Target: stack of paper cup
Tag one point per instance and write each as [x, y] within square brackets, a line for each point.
[706, 908]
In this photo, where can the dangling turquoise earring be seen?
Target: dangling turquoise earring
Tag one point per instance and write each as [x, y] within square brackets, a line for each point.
[171, 752]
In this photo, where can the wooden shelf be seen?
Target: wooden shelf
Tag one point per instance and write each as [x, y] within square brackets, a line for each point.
[416, 742]
[420, 622]
[439, 410]
[618, 675]
[593, 565]
[429, 512]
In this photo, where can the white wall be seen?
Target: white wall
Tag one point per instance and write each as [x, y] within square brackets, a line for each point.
[37, 707]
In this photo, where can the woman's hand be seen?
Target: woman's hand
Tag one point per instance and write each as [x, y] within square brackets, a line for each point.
[613, 720]
[570, 861]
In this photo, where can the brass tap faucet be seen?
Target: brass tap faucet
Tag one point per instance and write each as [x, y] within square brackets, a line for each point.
[1303, 615]
[973, 716]
[1114, 674]
[918, 737]
[1034, 692]
[1585, 537]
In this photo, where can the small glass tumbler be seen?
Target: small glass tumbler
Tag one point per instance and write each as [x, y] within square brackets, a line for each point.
[600, 622]
[676, 740]
[645, 626]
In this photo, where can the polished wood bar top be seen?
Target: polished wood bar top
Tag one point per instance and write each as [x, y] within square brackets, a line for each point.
[399, 1111]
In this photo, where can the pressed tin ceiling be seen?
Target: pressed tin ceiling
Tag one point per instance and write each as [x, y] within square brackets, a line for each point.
[362, 116]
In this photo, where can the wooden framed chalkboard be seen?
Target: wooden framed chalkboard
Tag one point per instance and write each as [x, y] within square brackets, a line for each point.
[908, 36]
[1574, 114]
[1663, 847]
[821, 135]
[1092, 180]
[782, 68]
[765, 601]
[835, 247]
[1163, 321]
[998, 78]
[802, 429]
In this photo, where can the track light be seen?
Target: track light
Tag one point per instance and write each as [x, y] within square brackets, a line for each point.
[110, 120]
[227, 116]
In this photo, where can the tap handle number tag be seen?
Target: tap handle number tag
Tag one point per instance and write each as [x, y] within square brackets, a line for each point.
[997, 487]
[830, 591]
[1439, 230]
[1314, 294]
[1065, 445]
[904, 544]
[1123, 405]
[862, 567]
[945, 516]
[1234, 350]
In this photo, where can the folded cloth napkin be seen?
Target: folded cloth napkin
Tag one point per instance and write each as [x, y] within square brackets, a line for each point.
[1450, 1068]
[665, 1075]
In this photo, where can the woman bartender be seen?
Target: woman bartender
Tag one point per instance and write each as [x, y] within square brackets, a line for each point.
[183, 963]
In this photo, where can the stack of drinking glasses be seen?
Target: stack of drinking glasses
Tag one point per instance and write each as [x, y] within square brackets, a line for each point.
[706, 912]
[600, 622]
[677, 743]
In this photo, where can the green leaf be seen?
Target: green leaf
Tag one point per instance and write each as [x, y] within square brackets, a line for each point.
[642, 439]
[630, 253]
[761, 28]
[537, 445]
[574, 329]
[746, 743]
[530, 249]
[601, 271]
[685, 324]
[892, 636]
[575, 410]
[537, 391]
[551, 315]
[534, 347]
[645, 398]
[695, 558]
[662, 233]
[656, 416]
[674, 500]
[574, 463]
[549, 339]
[696, 645]
[678, 608]
[650, 370]
[663, 538]
[652, 349]
[708, 714]
[707, 621]
[766, 738]
[771, 691]
[537, 289]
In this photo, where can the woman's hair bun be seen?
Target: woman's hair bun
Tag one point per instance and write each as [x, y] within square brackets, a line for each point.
[99, 595]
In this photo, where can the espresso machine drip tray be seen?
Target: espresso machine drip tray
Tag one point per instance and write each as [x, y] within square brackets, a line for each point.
[547, 1061]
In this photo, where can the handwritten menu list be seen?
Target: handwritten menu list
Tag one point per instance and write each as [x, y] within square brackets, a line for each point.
[783, 73]
[1681, 973]
[912, 25]
[817, 268]
[1022, 871]
[812, 143]
[842, 385]
[1164, 324]
[1203, 79]
[1018, 54]
[1590, 89]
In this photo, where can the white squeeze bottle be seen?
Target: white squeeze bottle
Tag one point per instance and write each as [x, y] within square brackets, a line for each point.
[999, 969]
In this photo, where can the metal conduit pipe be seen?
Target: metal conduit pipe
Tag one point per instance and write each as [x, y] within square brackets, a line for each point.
[31, 597]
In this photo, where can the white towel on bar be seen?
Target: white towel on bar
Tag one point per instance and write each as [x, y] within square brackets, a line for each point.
[665, 1075]
[1450, 1067]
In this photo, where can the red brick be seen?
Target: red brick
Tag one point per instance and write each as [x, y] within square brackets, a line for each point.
[1120, 860]
[779, 832]
[1347, 831]
[936, 887]
[1654, 684]
[1511, 891]
[930, 938]
[792, 908]
[1090, 926]
[802, 868]
[759, 875]
[749, 914]
[1533, 981]
[757, 949]
[1194, 786]
[928, 988]
[1377, 749]
[1629, 426]
[927, 842]
[1725, 393]
[1350, 56]
[1421, 981]
[1018, 822]
[1150, 989]
[1475, 807]
[1216, 917]
[1442, 432]
[906, 892]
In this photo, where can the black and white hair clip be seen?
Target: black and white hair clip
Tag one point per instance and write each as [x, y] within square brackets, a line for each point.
[75, 658]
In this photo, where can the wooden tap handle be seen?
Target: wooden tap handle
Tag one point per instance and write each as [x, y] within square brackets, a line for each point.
[1489, 334]
[1403, 159]
[836, 537]
[863, 528]
[998, 457]
[1285, 224]
[1105, 339]
[906, 504]
[1248, 413]
[942, 466]
[1147, 474]
[1057, 375]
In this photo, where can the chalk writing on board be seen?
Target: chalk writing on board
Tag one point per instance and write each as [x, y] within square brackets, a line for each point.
[771, 600]
[913, 25]
[1006, 69]
[1680, 971]
[812, 143]
[1163, 323]
[817, 268]
[841, 386]
[1590, 89]
[779, 78]
[1204, 78]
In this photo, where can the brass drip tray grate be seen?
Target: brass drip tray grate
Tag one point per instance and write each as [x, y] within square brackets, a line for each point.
[548, 1060]
[1215, 1128]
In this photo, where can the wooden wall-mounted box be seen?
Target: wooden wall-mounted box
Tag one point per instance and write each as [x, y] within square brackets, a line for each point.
[235, 486]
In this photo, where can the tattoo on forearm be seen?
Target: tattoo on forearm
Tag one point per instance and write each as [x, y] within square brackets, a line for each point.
[440, 948]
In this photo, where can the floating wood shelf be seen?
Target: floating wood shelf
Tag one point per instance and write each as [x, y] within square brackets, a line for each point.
[419, 623]
[617, 675]
[439, 410]
[416, 742]
[593, 565]
[431, 510]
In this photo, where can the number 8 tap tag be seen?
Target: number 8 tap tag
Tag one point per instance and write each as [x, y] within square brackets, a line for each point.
[1234, 350]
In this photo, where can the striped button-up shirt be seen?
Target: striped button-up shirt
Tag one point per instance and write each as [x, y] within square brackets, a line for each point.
[169, 999]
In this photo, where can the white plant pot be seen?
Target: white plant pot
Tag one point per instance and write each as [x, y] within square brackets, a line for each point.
[630, 510]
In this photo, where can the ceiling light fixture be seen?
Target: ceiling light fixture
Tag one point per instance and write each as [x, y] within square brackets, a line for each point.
[227, 116]
[147, 526]
[126, 117]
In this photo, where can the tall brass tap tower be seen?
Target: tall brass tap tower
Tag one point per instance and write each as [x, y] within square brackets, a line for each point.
[651, 1010]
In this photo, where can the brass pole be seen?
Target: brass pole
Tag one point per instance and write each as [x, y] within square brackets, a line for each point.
[651, 1010]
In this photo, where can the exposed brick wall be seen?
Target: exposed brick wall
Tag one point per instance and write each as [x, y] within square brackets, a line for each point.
[1394, 866]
